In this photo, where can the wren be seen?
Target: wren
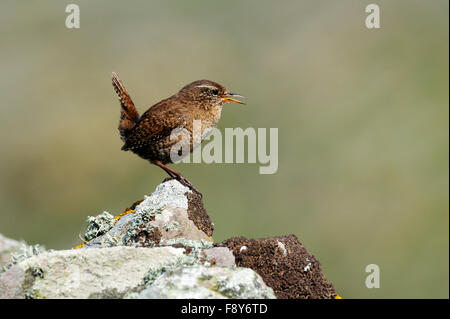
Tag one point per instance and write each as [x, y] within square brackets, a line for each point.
[149, 135]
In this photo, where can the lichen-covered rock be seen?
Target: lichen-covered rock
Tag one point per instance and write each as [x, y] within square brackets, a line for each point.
[220, 256]
[98, 225]
[13, 252]
[171, 213]
[161, 247]
[208, 283]
[86, 273]
[115, 272]
[9, 247]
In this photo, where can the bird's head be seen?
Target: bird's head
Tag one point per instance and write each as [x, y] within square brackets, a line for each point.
[209, 93]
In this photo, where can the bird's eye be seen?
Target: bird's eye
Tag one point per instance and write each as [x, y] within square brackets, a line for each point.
[215, 91]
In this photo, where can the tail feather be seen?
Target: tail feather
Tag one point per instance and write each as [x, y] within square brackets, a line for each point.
[129, 115]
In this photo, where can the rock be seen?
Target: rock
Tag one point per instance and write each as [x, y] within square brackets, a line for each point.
[13, 252]
[161, 247]
[172, 213]
[86, 273]
[284, 264]
[208, 283]
[123, 272]
[220, 256]
[7, 248]
[99, 225]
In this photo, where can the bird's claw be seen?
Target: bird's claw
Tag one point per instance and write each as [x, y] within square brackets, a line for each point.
[187, 183]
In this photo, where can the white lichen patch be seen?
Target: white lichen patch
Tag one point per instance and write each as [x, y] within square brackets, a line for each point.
[170, 193]
[197, 244]
[194, 257]
[243, 248]
[98, 225]
[164, 216]
[209, 282]
[307, 267]
[25, 252]
[282, 248]
[140, 223]
[243, 283]
[171, 226]
[9, 247]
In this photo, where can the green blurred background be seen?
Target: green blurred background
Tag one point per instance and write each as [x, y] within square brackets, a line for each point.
[362, 115]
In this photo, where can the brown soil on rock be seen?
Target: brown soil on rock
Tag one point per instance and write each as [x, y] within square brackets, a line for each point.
[284, 264]
[147, 238]
[197, 213]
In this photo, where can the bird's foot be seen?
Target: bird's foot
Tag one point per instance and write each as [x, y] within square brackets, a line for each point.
[174, 174]
[183, 180]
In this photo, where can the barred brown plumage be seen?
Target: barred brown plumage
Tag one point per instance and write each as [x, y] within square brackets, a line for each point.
[148, 136]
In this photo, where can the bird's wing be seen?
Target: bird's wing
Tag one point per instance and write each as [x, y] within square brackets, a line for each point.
[155, 124]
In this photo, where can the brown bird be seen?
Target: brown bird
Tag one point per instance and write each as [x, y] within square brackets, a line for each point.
[149, 135]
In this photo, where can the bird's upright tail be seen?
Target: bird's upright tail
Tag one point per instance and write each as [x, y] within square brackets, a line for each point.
[129, 115]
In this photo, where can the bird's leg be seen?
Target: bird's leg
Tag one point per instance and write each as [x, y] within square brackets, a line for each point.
[174, 174]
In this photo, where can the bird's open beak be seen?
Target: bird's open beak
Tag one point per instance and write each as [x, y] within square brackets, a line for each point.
[229, 97]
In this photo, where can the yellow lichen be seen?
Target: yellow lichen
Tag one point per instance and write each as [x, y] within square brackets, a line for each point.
[116, 219]
[80, 245]
[129, 211]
